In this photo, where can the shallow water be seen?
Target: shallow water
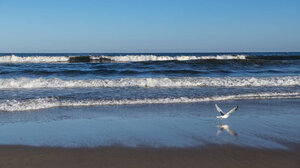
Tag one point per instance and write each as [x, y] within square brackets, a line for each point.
[257, 123]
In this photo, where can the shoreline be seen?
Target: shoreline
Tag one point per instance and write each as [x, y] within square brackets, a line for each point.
[118, 156]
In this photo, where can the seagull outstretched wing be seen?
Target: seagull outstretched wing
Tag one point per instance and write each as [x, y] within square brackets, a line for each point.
[219, 110]
[232, 110]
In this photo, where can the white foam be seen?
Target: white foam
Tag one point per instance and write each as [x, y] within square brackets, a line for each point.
[126, 58]
[44, 103]
[33, 59]
[33, 83]
[139, 58]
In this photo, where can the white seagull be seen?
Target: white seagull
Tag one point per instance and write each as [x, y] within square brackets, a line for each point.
[223, 116]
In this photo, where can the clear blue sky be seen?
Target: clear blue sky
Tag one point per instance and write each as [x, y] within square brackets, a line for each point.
[149, 25]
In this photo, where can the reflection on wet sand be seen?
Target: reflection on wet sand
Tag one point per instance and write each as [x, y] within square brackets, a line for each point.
[226, 127]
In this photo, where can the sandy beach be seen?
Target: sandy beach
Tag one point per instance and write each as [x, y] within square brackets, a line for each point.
[115, 157]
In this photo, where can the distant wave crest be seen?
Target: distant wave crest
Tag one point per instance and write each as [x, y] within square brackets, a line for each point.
[126, 58]
[33, 59]
[140, 58]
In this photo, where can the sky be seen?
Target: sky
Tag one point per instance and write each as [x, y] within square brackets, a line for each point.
[149, 26]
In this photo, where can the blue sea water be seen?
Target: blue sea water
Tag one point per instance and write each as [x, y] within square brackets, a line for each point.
[33, 81]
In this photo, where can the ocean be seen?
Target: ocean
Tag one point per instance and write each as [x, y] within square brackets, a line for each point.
[32, 81]
[149, 99]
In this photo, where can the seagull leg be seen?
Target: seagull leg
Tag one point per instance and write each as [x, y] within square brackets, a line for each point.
[220, 121]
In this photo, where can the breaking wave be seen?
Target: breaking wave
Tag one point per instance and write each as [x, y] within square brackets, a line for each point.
[44, 103]
[33, 59]
[33, 83]
[140, 58]
[126, 58]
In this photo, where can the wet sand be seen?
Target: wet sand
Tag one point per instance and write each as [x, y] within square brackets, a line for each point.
[143, 157]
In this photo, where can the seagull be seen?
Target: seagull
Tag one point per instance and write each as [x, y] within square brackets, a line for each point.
[223, 116]
[227, 129]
